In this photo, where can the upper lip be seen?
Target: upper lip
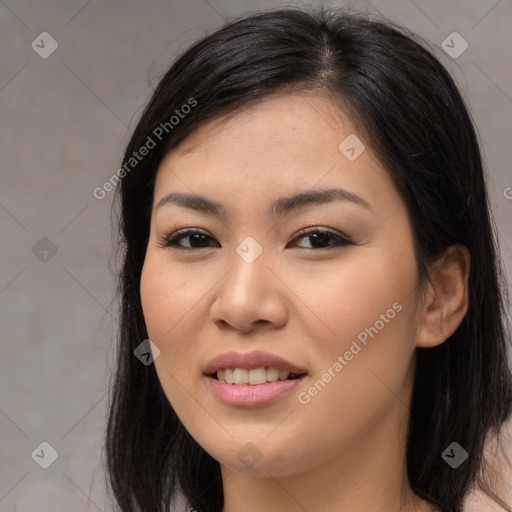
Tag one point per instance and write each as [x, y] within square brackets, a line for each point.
[250, 360]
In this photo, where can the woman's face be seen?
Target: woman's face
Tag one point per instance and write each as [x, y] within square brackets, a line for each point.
[343, 314]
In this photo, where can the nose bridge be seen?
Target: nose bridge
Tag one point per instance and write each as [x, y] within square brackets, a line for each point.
[248, 293]
[249, 250]
[248, 262]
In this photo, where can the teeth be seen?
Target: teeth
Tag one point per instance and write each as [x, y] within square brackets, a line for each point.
[254, 377]
[228, 376]
[257, 376]
[283, 374]
[241, 376]
[272, 374]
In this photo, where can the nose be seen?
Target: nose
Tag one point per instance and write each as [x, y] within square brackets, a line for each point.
[250, 297]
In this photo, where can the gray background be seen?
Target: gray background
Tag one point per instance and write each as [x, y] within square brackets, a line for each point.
[64, 122]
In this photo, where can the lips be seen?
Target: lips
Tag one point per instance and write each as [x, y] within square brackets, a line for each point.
[251, 360]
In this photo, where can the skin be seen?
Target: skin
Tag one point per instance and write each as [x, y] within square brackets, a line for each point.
[345, 449]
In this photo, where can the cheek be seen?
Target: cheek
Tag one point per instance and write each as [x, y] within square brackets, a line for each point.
[154, 297]
[176, 311]
[165, 299]
[169, 305]
[167, 293]
[354, 295]
[370, 308]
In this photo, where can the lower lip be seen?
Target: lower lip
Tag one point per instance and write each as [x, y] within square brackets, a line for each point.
[248, 395]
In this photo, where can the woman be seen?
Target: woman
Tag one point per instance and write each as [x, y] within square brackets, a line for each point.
[310, 249]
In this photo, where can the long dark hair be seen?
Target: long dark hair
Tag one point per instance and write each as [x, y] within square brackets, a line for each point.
[408, 109]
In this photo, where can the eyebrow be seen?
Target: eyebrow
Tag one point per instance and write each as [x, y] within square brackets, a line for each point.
[280, 206]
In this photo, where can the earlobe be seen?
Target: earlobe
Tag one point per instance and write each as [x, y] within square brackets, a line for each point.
[448, 297]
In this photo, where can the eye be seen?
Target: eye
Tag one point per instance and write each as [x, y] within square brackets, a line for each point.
[197, 239]
[321, 237]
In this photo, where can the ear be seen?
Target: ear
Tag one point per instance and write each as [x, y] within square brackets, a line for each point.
[446, 300]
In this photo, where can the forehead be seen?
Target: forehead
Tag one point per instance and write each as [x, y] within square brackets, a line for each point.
[274, 123]
[284, 143]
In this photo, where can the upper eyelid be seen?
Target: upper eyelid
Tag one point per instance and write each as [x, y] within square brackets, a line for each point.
[303, 232]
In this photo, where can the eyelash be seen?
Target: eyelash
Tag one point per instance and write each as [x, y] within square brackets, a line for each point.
[170, 240]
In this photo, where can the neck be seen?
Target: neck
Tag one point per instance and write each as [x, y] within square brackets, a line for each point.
[327, 489]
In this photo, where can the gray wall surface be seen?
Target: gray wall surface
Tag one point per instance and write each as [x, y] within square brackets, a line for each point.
[65, 117]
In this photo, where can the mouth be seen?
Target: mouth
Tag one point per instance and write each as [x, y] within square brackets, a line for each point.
[254, 376]
[250, 379]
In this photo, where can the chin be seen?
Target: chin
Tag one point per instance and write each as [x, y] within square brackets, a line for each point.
[259, 458]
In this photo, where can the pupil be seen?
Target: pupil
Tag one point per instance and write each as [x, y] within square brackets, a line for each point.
[194, 238]
[321, 238]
